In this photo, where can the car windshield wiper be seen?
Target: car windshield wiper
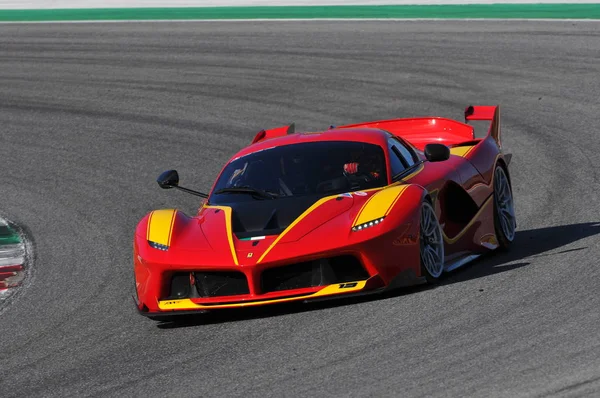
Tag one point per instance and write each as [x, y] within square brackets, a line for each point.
[249, 191]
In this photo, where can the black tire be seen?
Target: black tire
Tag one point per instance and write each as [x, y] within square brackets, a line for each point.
[431, 244]
[504, 211]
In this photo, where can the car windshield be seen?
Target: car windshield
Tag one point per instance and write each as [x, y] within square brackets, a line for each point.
[314, 168]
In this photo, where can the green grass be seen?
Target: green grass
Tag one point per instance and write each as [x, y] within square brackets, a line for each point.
[476, 11]
[8, 236]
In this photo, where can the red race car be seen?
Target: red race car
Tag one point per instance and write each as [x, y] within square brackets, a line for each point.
[351, 210]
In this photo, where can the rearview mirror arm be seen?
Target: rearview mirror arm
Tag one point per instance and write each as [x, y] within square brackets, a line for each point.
[191, 191]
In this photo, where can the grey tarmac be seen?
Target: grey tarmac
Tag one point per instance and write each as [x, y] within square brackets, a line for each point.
[90, 114]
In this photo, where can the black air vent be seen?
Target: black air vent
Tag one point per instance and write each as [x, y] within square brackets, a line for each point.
[214, 284]
[320, 272]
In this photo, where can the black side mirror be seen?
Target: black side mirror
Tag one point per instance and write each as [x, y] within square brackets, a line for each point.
[168, 179]
[437, 152]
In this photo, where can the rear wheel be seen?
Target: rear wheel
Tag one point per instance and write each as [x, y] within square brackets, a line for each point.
[431, 244]
[505, 222]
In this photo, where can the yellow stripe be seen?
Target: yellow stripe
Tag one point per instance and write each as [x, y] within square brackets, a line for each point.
[160, 225]
[171, 228]
[395, 200]
[296, 221]
[379, 204]
[337, 288]
[227, 211]
[187, 304]
[461, 150]
[148, 227]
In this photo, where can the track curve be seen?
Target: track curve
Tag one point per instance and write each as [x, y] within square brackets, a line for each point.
[90, 114]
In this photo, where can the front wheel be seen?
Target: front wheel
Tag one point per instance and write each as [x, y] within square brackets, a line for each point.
[432, 244]
[505, 222]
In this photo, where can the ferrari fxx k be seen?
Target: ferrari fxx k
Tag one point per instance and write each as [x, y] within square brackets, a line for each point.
[349, 210]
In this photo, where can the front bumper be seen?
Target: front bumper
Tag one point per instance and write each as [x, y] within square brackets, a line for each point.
[373, 285]
[339, 290]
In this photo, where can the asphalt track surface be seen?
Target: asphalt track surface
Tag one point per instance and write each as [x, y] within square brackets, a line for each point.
[90, 114]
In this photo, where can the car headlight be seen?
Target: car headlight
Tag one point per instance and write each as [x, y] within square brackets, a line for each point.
[158, 246]
[368, 224]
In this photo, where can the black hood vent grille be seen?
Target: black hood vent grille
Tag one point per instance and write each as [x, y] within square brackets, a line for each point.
[273, 222]
[267, 217]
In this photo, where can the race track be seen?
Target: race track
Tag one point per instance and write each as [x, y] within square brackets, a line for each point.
[90, 114]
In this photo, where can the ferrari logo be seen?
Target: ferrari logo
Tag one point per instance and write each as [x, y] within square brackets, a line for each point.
[249, 255]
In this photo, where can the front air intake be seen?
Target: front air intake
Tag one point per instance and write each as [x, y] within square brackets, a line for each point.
[217, 283]
[321, 272]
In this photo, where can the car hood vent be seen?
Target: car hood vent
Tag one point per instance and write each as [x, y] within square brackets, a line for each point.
[267, 217]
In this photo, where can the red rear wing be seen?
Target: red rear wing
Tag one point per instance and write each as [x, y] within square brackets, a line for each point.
[490, 113]
[421, 131]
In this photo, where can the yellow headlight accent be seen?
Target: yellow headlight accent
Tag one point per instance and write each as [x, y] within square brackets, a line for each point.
[160, 226]
[379, 205]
